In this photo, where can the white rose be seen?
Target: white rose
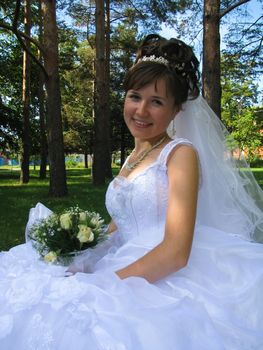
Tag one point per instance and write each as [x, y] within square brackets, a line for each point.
[50, 257]
[65, 221]
[82, 217]
[85, 234]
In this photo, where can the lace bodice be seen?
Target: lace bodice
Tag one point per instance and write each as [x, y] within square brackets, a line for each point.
[138, 205]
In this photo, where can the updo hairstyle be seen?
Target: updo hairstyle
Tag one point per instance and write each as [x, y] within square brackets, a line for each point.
[179, 70]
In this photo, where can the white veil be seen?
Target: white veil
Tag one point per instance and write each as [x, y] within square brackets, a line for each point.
[230, 199]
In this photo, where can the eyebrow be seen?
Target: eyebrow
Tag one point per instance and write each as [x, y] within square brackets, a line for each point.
[154, 96]
[159, 98]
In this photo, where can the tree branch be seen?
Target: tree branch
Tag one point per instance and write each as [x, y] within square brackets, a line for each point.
[19, 36]
[22, 34]
[142, 16]
[245, 31]
[253, 53]
[16, 15]
[252, 24]
[230, 8]
[255, 50]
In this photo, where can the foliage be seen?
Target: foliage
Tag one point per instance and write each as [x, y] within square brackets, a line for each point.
[129, 21]
[239, 111]
[77, 101]
[11, 128]
[149, 15]
[244, 40]
[10, 93]
[11, 58]
[124, 45]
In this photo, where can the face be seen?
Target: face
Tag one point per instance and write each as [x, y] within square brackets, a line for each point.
[148, 111]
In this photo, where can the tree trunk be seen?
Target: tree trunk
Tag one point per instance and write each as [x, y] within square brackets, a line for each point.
[42, 117]
[43, 135]
[86, 163]
[107, 87]
[24, 175]
[211, 55]
[101, 139]
[58, 185]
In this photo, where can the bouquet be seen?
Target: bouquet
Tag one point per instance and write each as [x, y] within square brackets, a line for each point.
[59, 237]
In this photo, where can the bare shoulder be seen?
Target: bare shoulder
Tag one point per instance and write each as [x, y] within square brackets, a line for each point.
[183, 167]
[184, 155]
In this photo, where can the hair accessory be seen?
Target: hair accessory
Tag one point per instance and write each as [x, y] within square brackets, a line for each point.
[153, 58]
[179, 67]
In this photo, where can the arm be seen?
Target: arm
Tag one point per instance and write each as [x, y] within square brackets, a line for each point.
[112, 227]
[173, 252]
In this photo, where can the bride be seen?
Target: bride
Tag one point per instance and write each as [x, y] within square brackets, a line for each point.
[183, 267]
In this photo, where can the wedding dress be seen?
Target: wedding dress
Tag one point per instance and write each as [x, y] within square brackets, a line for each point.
[214, 303]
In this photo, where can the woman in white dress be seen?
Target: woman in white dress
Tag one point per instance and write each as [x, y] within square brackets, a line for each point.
[183, 268]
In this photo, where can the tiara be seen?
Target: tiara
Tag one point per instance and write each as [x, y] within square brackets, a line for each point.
[179, 67]
[153, 58]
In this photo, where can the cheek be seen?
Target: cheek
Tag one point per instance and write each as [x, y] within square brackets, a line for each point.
[127, 110]
[125, 113]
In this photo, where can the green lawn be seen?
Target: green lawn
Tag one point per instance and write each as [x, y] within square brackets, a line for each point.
[17, 199]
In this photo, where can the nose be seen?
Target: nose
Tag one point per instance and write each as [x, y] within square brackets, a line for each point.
[142, 109]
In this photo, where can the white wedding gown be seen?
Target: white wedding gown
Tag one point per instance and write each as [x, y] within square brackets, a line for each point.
[215, 303]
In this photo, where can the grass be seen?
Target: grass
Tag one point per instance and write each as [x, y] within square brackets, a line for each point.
[16, 199]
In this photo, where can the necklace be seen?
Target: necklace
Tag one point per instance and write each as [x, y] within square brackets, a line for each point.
[132, 165]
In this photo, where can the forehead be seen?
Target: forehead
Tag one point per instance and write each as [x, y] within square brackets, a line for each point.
[158, 87]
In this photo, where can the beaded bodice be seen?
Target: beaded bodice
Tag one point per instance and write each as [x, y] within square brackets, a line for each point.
[138, 205]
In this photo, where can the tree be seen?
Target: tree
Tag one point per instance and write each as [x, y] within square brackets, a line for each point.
[77, 83]
[24, 175]
[124, 44]
[244, 41]
[42, 104]
[101, 141]
[115, 13]
[58, 186]
[213, 14]
[244, 37]
[11, 129]
[240, 94]
[211, 55]
[10, 94]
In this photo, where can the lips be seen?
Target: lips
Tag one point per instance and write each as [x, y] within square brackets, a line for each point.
[141, 124]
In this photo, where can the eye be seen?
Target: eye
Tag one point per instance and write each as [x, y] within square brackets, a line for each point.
[134, 97]
[157, 102]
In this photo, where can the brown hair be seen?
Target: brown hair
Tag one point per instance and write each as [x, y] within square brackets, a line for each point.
[181, 72]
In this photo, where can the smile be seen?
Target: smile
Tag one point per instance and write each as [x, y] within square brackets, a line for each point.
[141, 124]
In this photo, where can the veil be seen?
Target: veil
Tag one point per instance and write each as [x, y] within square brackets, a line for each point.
[230, 198]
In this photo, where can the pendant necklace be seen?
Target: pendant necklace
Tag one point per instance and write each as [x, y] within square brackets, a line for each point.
[132, 165]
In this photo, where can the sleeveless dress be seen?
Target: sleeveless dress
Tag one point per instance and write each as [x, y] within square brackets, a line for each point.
[214, 303]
